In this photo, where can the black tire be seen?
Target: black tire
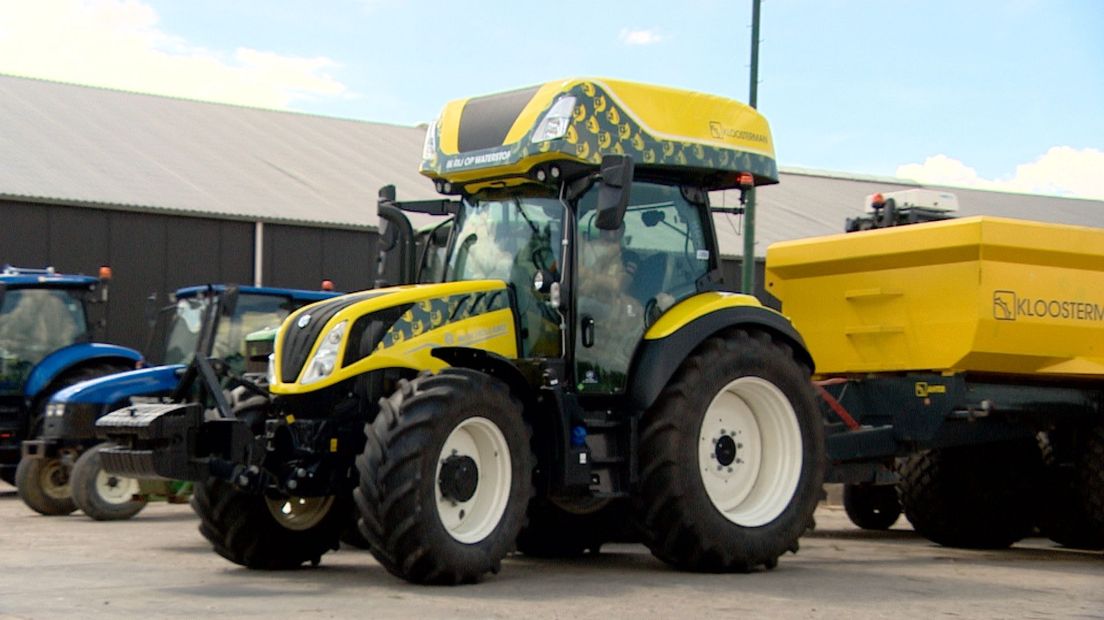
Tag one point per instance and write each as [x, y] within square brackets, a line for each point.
[1064, 516]
[103, 496]
[1090, 487]
[253, 530]
[402, 472]
[350, 533]
[975, 497]
[558, 531]
[43, 485]
[872, 506]
[681, 439]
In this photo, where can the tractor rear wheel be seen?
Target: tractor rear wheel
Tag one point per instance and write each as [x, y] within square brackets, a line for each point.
[103, 496]
[268, 532]
[872, 506]
[445, 477]
[731, 457]
[975, 497]
[43, 485]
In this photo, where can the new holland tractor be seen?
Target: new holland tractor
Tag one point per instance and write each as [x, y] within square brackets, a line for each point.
[576, 369]
[61, 467]
[46, 329]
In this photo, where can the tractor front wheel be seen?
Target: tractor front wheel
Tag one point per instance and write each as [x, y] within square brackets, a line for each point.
[445, 477]
[43, 485]
[268, 532]
[103, 496]
[731, 457]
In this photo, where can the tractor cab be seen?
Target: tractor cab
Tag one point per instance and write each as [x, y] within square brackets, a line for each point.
[47, 326]
[41, 312]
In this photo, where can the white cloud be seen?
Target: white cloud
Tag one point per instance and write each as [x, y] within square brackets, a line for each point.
[1063, 170]
[639, 37]
[119, 44]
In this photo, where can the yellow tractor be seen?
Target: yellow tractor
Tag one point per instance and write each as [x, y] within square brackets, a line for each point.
[578, 368]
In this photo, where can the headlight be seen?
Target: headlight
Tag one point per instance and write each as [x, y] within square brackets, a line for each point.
[55, 410]
[324, 361]
[429, 147]
[555, 122]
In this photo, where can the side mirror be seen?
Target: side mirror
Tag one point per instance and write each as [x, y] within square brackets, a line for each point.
[613, 195]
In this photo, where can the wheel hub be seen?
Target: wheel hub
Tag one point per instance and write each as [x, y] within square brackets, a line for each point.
[725, 450]
[459, 478]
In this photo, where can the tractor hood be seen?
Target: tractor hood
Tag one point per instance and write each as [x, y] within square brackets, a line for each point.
[328, 342]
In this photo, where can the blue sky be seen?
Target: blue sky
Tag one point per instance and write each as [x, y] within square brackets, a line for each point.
[1001, 94]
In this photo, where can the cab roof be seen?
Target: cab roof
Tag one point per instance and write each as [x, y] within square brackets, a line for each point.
[21, 277]
[293, 293]
[508, 137]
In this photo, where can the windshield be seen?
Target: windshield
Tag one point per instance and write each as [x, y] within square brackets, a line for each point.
[496, 237]
[252, 313]
[512, 239]
[33, 324]
[180, 325]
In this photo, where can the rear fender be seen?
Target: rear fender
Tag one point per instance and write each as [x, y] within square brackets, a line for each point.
[60, 361]
[678, 332]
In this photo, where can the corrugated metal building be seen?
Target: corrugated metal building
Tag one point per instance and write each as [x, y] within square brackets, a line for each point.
[171, 192]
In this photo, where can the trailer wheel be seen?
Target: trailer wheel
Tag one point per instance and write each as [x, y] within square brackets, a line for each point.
[43, 485]
[268, 532]
[561, 530]
[731, 457]
[103, 496]
[1090, 463]
[872, 506]
[975, 497]
[445, 477]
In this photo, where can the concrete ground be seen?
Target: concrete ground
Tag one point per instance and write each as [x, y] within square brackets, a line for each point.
[157, 565]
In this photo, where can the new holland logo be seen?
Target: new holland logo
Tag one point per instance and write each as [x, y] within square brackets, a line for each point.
[303, 321]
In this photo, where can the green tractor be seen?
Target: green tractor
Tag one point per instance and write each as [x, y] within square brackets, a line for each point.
[576, 368]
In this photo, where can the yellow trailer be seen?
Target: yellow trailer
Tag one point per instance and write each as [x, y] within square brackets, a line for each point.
[961, 365]
[979, 294]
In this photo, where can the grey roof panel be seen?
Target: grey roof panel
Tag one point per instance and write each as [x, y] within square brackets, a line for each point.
[84, 145]
[79, 145]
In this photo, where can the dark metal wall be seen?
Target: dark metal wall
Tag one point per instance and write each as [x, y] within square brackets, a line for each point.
[151, 253]
[301, 257]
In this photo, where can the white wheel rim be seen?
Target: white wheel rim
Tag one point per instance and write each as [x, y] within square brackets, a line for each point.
[53, 479]
[299, 513]
[473, 520]
[114, 489]
[750, 451]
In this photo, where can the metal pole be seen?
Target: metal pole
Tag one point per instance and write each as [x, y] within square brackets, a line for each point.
[748, 280]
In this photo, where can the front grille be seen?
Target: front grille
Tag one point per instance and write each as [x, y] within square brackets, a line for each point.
[298, 341]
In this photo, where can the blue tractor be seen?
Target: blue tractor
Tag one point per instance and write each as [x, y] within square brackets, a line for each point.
[46, 333]
[60, 469]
